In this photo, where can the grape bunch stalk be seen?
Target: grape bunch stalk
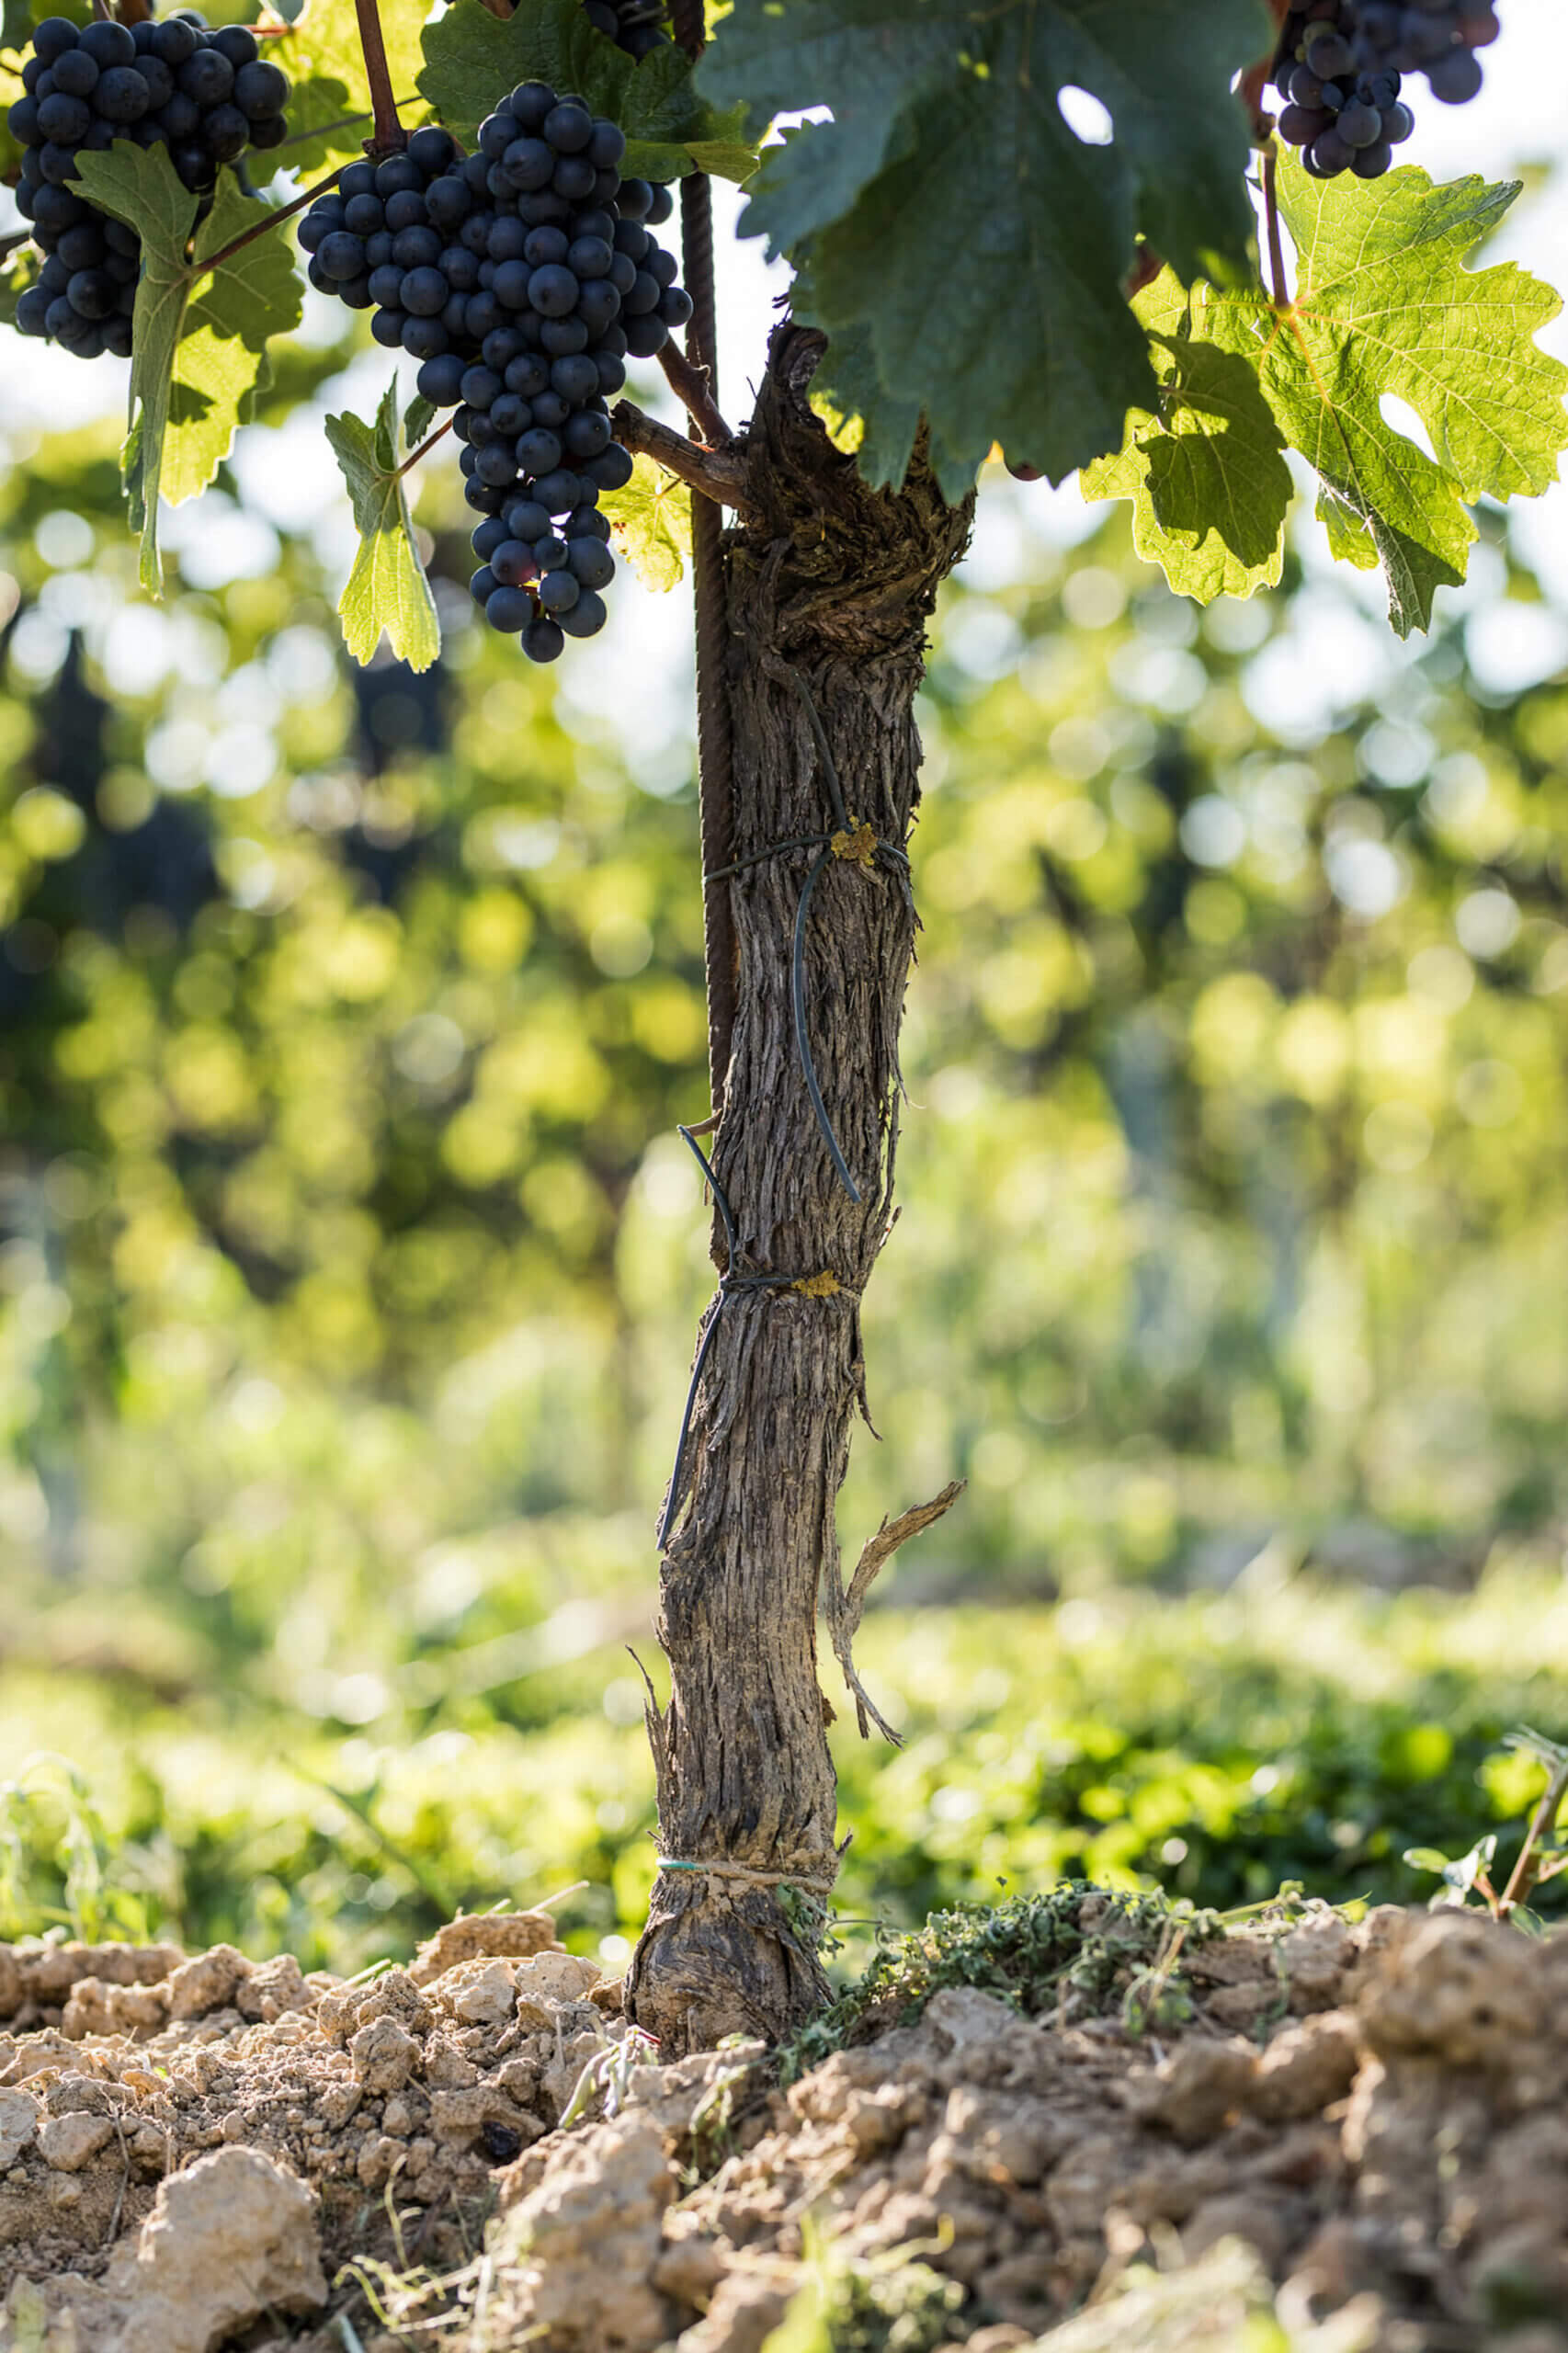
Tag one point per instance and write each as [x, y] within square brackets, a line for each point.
[206, 95]
[1340, 68]
[520, 276]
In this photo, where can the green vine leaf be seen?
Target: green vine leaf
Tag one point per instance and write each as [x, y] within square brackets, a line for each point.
[138, 186]
[1205, 470]
[11, 88]
[650, 520]
[949, 217]
[1384, 306]
[220, 362]
[18, 271]
[321, 53]
[472, 58]
[199, 335]
[387, 588]
[18, 18]
[880, 429]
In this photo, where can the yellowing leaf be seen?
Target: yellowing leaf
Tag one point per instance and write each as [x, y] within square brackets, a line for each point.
[387, 588]
[651, 521]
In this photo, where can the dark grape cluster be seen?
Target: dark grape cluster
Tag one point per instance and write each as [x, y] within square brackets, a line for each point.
[520, 276]
[1339, 68]
[1438, 37]
[206, 95]
[636, 25]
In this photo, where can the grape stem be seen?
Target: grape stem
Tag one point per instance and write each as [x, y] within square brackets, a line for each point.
[301, 138]
[389, 133]
[343, 122]
[428, 443]
[690, 385]
[279, 212]
[715, 755]
[1279, 291]
[719, 475]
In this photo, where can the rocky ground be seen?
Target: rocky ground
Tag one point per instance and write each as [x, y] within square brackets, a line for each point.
[1354, 2138]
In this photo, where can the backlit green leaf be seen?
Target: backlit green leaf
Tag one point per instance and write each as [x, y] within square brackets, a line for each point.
[387, 588]
[221, 359]
[651, 522]
[1205, 468]
[1384, 307]
[140, 187]
[473, 57]
[198, 335]
[331, 98]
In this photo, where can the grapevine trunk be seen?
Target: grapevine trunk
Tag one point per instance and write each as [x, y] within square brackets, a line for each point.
[828, 587]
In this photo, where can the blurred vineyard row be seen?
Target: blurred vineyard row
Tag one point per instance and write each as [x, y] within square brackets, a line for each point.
[1218, 1746]
[348, 1255]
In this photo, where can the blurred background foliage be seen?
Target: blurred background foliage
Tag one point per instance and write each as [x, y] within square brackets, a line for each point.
[349, 1263]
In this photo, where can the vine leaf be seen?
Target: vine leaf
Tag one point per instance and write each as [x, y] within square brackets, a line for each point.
[11, 88]
[882, 427]
[321, 53]
[861, 417]
[1384, 306]
[198, 335]
[472, 58]
[386, 588]
[1205, 470]
[650, 520]
[220, 362]
[17, 18]
[950, 218]
[17, 272]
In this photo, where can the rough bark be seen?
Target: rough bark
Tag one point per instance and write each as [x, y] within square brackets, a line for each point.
[828, 588]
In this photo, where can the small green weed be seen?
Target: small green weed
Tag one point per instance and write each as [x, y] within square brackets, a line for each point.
[54, 1841]
[810, 1920]
[1037, 1952]
[1536, 1861]
[608, 2075]
[885, 2304]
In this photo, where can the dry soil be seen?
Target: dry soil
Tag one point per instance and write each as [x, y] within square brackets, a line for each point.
[1358, 2139]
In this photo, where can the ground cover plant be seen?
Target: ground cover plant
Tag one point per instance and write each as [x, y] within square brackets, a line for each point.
[1332, 1732]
